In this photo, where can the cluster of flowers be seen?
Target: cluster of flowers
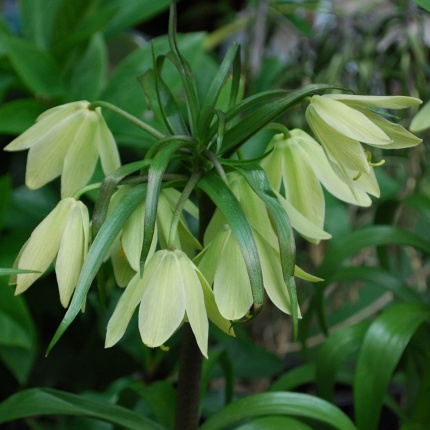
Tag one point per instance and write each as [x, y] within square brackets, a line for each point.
[176, 286]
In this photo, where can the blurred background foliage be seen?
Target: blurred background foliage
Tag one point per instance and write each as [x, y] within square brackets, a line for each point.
[365, 336]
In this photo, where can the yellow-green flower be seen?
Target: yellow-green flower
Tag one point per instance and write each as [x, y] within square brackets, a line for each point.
[421, 121]
[298, 165]
[341, 122]
[62, 236]
[126, 250]
[171, 290]
[67, 140]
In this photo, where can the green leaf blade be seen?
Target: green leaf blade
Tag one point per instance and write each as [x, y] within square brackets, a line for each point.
[383, 345]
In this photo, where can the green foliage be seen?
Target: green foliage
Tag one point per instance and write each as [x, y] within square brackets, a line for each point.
[365, 327]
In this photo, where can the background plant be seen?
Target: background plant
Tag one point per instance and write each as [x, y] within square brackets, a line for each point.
[394, 268]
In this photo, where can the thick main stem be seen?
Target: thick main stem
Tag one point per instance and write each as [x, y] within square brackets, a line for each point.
[188, 392]
[190, 364]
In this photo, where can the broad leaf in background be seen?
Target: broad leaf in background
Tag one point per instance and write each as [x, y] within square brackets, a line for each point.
[44, 401]
[382, 348]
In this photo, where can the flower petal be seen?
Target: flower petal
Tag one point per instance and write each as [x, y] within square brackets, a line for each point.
[122, 270]
[81, 158]
[194, 300]
[163, 303]
[106, 146]
[300, 273]
[338, 147]
[43, 245]
[347, 121]
[232, 288]
[302, 224]
[386, 102]
[124, 310]
[70, 255]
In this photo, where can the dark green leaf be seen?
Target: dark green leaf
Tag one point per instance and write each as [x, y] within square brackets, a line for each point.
[274, 423]
[44, 401]
[100, 247]
[5, 193]
[36, 68]
[89, 73]
[383, 345]
[333, 353]
[225, 200]
[425, 4]
[269, 404]
[155, 176]
[17, 336]
[208, 106]
[132, 12]
[222, 358]
[160, 397]
[257, 180]
[248, 126]
[184, 70]
[19, 115]
[294, 378]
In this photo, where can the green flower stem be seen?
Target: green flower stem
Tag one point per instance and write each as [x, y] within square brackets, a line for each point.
[278, 127]
[136, 121]
[190, 364]
[84, 190]
[180, 205]
[218, 167]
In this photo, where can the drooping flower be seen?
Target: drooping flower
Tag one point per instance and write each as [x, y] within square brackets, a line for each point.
[62, 236]
[171, 290]
[299, 165]
[126, 250]
[67, 140]
[340, 122]
[222, 264]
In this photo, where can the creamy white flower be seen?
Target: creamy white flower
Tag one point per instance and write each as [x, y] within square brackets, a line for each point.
[64, 235]
[171, 290]
[341, 122]
[298, 165]
[67, 140]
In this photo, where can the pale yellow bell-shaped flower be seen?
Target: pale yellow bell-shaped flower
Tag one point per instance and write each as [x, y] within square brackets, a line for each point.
[421, 121]
[341, 121]
[171, 290]
[126, 249]
[299, 166]
[67, 140]
[62, 236]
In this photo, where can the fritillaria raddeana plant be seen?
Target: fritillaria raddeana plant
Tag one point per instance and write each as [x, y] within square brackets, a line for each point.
[246, 209]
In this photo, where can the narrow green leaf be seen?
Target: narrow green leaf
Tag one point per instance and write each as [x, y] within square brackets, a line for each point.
[289, 404]
[254, 122]
[222, 358]
[257, 180]
[383, 345]
[208, 106]
[107, 189]
[161, 99]
[44, 401]
[36, 68]
[225, 200]
[7, 272]
[274, 423]
[155, 176]
[184, 70]
[379, 278]
[371, 236]
[333, 353]
[293, 378]
[100, 247]
[425, 4]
